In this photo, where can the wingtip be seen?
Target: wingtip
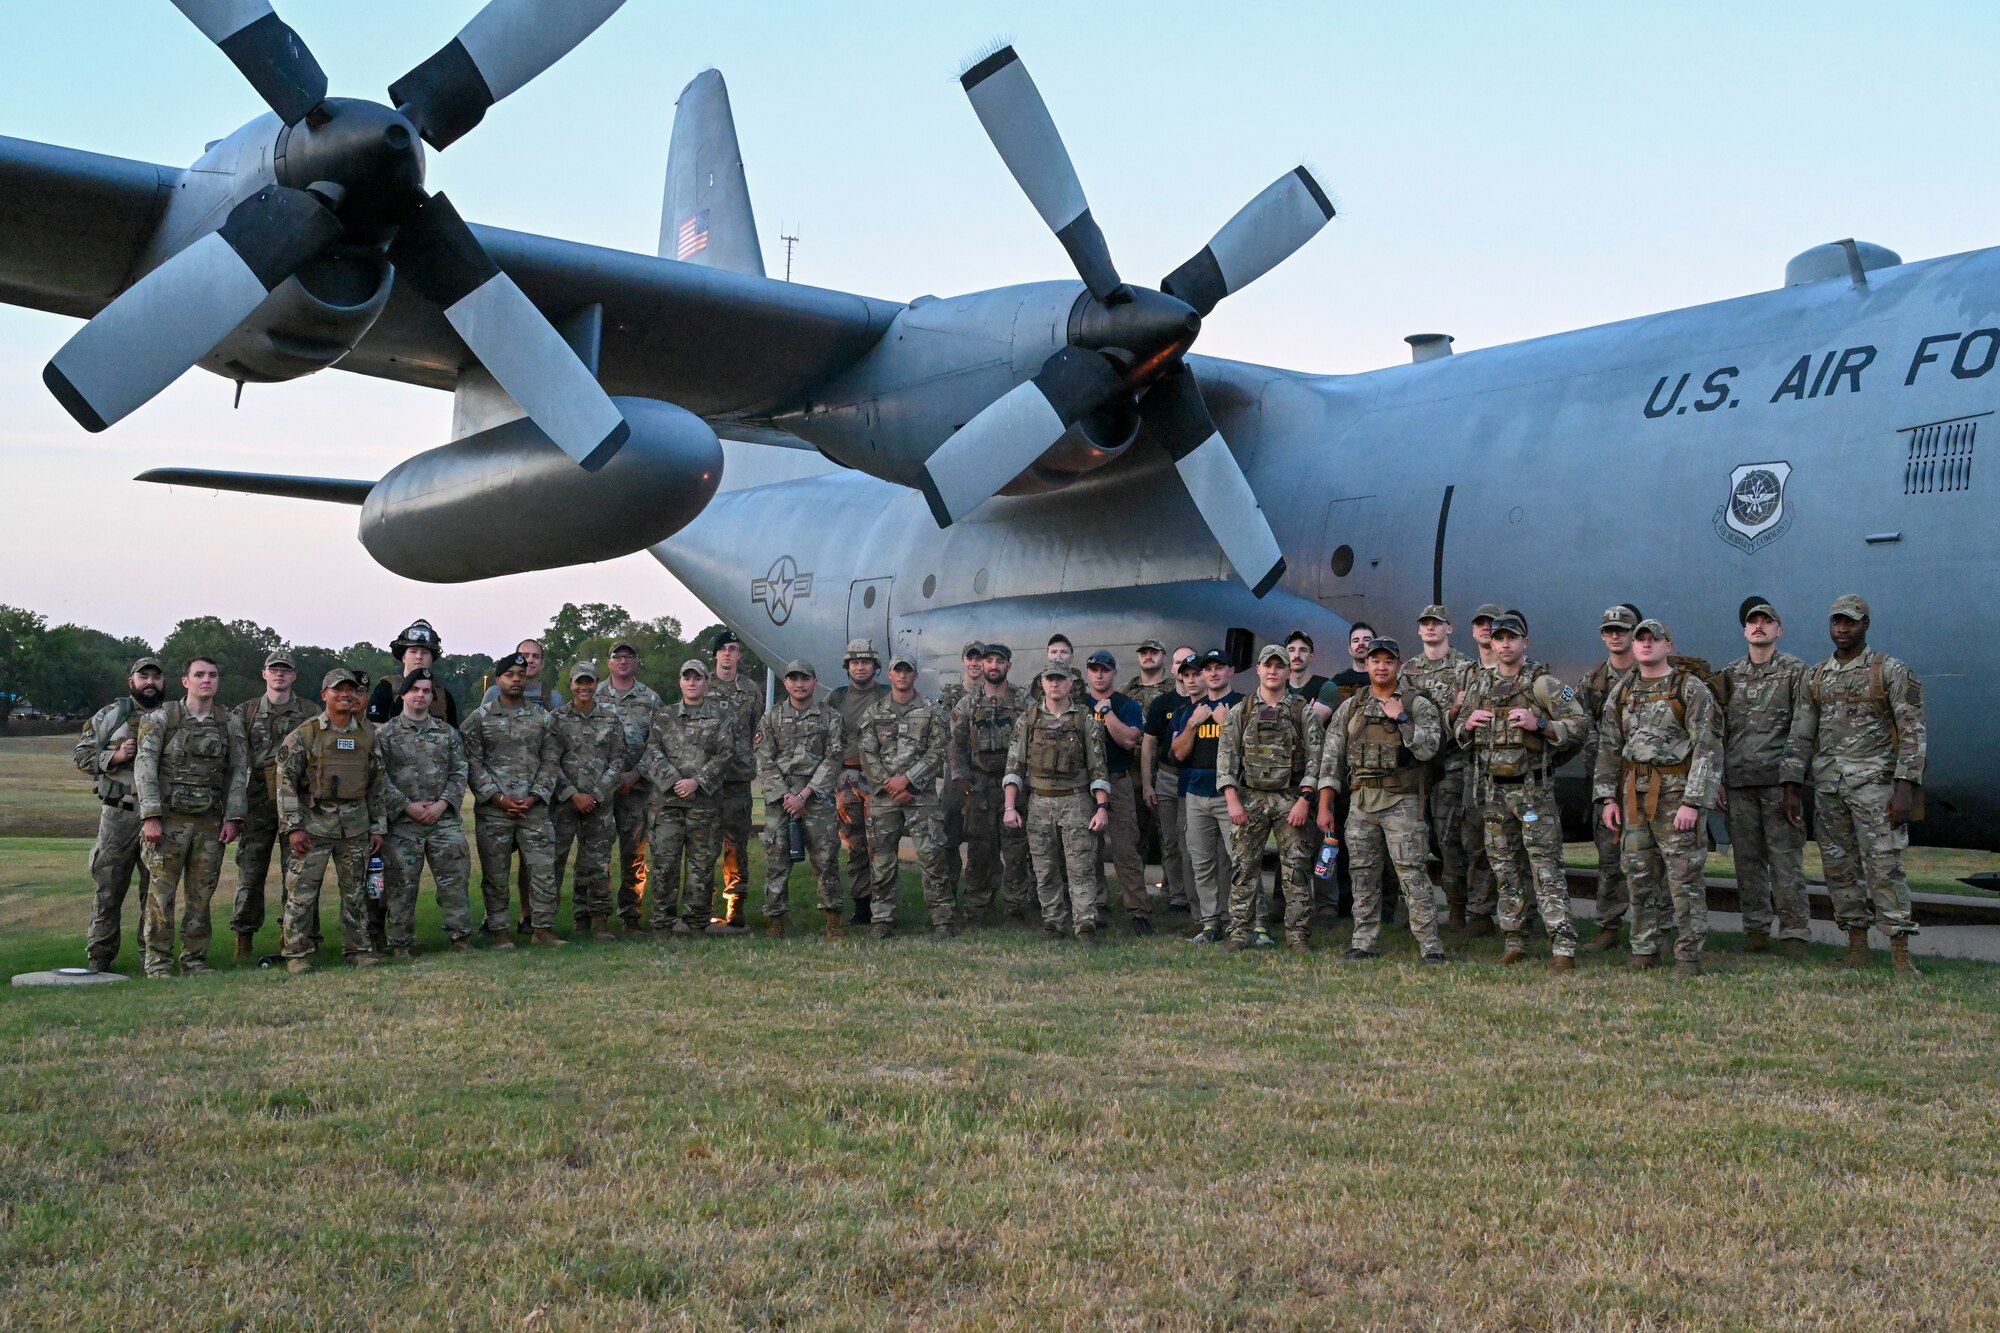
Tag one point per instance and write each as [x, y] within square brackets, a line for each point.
[72, 401]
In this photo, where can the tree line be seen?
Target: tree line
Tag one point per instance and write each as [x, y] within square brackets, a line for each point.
[73, 669]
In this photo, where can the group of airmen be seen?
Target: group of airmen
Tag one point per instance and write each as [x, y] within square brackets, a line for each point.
[1041, 784]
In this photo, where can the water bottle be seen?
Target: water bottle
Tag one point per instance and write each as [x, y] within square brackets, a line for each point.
[795, 840]
[1329, 852]
[375, 878]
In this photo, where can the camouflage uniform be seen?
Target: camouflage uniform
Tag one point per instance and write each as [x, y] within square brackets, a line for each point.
[799, 748]
[982, 733]
[632, 810]
[687, 741]
[744, 705]
[1381, 761]
[951, 795]
[265, 726]
[590, 757]
[512, 751]
[1266, 753]
[422, 761]
[1143, 694]
[1509, 781]
[1056, 762]
[1613, 894]
[115, 853]
[1440, 681]
[337, 795]
[851, 793]
[908, 739]
[191, 774]
[1860, 730]
[1758, 758]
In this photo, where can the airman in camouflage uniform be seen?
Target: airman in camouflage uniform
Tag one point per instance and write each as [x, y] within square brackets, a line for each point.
[851, 700]
[425, 769]
[903, 750]
[1614, 896]
[513, 761]
[1659, 765]
[1861, 736]
[982, 733]
[332, 807]
[951, 786]
[1515, 723]
[1377, 746]
[1440, 679]
[267, 720]
[191, 771]
[1481, 888]
[1056, 764]
[799, 744]
[634, 701]
[1263, 768]
[590, 761]
[744, 703]
[1762, 773]
[689, 755]
[104, 754]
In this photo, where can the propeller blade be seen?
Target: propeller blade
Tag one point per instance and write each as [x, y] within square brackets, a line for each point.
[1012, 431]
[1175, 410]
[438, 253]
[265, 50]
[505, 46]
[1016, 119]
[1263, 234]
[172, 317]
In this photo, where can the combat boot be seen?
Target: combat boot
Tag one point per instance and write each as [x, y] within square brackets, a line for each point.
[941, 932]
[1756, 941]
[579, 925]
[1086, 935]
[497, 939]
[1899, 955]
[1478, 926]
[774, 927]
[1687, 967]
[461, 946]
[1562, 962]
[298, 967]
[731, 920]
[1516, 950]
[834, 929]
[603, 933]
[401, 954]
[1857, 949]
[1794, 948]
[1297, 944]
[1604, 941]
[1642, 962]
[1234, 944]
[364, 960]
[243, 942]
[881, 930]
[546, 938]
[1455, 917]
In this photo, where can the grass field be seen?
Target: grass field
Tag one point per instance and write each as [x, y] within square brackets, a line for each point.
[995, 1132]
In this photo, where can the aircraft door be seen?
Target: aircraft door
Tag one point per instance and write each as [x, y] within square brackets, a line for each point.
[1350, 555]
[868, 613]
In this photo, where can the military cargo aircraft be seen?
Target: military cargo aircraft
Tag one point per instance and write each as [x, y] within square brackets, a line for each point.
[818, 465]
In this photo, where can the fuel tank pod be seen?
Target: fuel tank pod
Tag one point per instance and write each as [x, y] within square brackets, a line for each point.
[507, 500]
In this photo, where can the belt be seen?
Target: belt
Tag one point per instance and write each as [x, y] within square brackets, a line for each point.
[128, 804]
[1055, 791]
[1645, 781]
[1511, 782]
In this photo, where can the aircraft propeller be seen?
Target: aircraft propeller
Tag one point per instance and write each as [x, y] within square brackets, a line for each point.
[350, 170]
[1127, 341]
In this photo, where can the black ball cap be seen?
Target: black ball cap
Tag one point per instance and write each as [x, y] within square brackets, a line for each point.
[723, 636]
[502, 665]
[420, 674]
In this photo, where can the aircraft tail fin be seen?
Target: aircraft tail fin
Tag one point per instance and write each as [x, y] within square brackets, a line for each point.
[706, 217]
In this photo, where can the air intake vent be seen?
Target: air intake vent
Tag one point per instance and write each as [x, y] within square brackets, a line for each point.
[1939, 458]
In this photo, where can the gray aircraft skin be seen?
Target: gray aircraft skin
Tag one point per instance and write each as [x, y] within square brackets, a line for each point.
[1794, 444]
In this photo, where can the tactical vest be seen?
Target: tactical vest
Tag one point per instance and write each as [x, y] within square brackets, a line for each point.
[1271, 742]
[340, 762]
[992, 731]
[194, 761]
[109, 789]
[1857, 699]
[1376, 755]
[1058, 757]
[1638, 697]
[1508, 751]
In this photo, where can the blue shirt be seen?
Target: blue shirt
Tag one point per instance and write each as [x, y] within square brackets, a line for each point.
[1198, 769]
[1118, 759]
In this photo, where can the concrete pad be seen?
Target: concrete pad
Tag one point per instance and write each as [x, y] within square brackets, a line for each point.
[68, 976]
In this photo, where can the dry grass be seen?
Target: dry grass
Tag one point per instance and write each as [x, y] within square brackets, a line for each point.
[990, 1133]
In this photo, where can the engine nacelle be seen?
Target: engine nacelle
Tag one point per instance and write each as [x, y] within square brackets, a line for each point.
[507, 500]
[308, 322]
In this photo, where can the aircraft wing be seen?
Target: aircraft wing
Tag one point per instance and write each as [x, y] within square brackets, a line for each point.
[727, 346]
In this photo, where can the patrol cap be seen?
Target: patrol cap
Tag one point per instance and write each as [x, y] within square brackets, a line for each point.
[419, 634]
[338, 676]
[583, 671]
[146, 664]
[1851, 605]
[798, 666]
[973, 648]
[902, 661]
[1389, 646]
[1434, 611]
[1101, 658]
[695, 665]
[623, 646]
[725, 635]
[999, 650]
[420, 676]
[1272, 652]
[1762, 609]
[1653, 627]
[502, 665]
[861, 650]
[1508, 624]
[1151, 645]
[1618, 617]
[1056, 669]
[1487, 611]
[280, 657]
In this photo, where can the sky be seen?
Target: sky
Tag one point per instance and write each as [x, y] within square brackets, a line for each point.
[1502, 171]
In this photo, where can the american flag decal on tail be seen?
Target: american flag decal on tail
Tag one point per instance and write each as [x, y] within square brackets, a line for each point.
[693, 236]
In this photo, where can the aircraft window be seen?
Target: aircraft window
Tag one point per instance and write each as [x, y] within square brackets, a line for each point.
[867, 597]
[1343, 561]
[979, 582]
[930, 585]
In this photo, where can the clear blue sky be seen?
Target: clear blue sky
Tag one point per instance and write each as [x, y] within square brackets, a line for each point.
[1503, 171]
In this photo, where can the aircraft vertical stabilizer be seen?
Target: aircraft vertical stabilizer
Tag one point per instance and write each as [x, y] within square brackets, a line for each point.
[706, 217]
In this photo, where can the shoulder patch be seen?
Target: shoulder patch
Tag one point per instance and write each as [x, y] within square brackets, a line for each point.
[1568, 694]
